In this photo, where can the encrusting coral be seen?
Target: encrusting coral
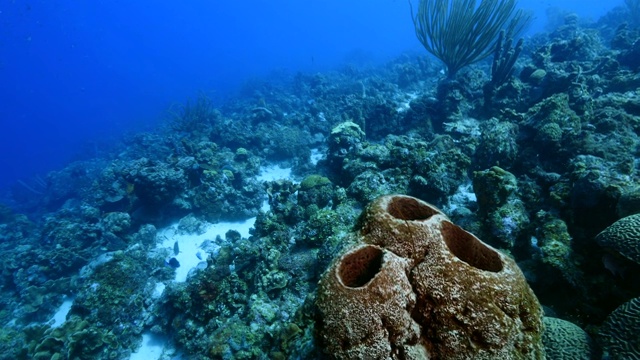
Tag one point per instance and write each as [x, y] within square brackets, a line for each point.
[417, 286]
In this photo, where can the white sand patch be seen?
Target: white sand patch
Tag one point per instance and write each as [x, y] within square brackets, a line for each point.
[265, 206]
[274, 172]
[316, 155]
[61, 315]
[151, 349]
[405, 104]
[157, 292]
[191, 254]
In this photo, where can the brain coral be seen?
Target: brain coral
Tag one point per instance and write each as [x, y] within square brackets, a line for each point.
[416, 286]
[564, 340]
[623, 236]
[619, 333]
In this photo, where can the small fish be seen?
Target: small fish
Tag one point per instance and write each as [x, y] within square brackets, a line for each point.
[199, 255]
[173, 262]
[176, 248]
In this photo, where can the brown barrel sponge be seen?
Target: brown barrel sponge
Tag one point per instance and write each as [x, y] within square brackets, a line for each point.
[417, 286]
[373, 318]
[390, 220]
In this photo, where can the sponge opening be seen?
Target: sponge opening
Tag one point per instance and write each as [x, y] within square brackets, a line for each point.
[360, 266]
[406, 208]
[469, 249]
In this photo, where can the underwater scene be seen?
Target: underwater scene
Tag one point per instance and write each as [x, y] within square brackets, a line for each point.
[472, 192]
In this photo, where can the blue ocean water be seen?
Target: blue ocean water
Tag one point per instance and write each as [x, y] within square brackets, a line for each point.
[77, 75]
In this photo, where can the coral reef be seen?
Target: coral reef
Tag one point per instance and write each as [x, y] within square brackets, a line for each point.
[619, 333]
[566, 341]
[418, 286]
[623, 237]
[542, 166]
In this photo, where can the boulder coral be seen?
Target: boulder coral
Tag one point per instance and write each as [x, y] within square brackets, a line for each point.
[619, 333]
[564, 340]
[416, 286]
[623, 237]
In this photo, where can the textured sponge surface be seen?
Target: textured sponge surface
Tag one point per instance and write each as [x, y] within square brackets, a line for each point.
[417, 286]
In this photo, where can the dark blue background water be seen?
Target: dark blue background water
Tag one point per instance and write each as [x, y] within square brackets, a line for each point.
[75, 75]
